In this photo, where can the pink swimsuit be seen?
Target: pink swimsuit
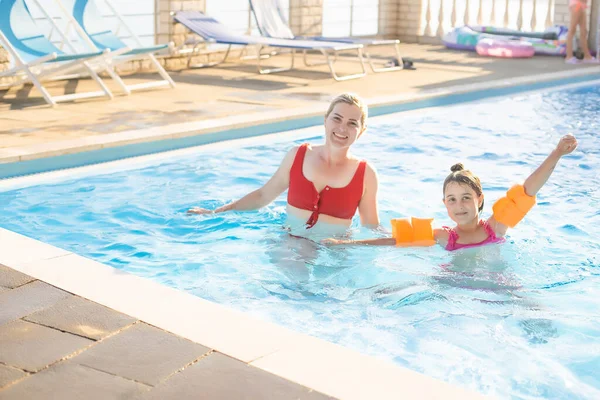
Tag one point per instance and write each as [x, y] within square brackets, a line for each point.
[578, 4]
[452, 245]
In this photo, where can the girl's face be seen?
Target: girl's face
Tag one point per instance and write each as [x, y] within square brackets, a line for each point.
[462, 203]
[342, 125]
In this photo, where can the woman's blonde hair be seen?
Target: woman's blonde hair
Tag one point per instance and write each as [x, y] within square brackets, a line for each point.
[464, 177]
[352, 99]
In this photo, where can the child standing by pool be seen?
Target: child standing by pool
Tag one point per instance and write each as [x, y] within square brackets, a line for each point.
[463, 198]
[578, 17]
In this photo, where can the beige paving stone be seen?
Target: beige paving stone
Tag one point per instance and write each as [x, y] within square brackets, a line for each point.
[32, 347]
[82, 317]
[9, 278]
[142, 353]
[220, 377]
[165, 307]
[26, 299]
[70, 381]
[9, 375]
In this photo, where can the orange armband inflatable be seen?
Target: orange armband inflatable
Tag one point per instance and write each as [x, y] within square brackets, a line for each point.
[511, 209]
[413, 232]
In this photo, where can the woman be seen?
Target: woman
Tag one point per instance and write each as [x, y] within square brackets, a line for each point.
[326, 183]
[577, 8]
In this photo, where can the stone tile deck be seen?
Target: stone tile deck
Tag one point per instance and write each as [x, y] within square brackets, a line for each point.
[61, 346]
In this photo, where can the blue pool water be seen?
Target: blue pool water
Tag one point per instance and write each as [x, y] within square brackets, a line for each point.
[518, 320]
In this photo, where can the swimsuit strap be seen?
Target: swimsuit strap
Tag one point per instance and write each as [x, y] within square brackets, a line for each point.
[452, 236]
[301, 153]
[489, 230]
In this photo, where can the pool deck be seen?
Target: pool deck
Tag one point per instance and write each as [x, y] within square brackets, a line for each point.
[64, 335]
[57, 345]
[29, 125]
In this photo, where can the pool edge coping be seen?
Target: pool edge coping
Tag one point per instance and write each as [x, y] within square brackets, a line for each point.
[325, 367]
[299, 117]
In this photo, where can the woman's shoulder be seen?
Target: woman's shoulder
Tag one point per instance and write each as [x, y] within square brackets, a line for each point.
[368, 166]
[294, 150]
[370, 171]
[290, 156]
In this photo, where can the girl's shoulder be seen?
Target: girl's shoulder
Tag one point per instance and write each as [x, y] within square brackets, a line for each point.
[498, 228]
[442, 235]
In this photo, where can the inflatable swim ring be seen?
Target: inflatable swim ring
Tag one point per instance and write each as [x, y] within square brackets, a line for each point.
[466, 38]
[504, 48]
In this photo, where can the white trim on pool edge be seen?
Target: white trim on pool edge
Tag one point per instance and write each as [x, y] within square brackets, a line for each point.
[146, 160]
[317, 364]
[181, 130]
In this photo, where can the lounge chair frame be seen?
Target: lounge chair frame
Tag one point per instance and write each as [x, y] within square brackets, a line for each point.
[167, 80]
[116, 56]
[280, 29]
[262, 43]
[49, 67]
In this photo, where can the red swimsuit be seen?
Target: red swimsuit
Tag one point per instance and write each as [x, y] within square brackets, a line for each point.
[336, 202]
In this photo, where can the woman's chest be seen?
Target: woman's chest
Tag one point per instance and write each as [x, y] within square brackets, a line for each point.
[322, 175]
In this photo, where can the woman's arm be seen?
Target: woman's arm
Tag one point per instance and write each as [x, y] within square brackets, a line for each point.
[367, 242]
[440, 236]
[367, 208]
[260, 197]
[540, 176]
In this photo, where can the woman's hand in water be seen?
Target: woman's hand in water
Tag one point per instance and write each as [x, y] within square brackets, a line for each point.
[566, 145]
[198, 210]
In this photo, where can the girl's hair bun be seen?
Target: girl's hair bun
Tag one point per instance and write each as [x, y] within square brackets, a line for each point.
[457, 167]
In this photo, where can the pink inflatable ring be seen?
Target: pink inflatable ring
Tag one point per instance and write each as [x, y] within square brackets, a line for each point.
[504, 48]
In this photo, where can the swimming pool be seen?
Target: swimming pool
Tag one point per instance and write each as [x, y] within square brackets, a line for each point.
[516, 320]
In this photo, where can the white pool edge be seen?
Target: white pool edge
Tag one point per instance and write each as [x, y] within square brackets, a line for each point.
[187, 129]
[314, 363]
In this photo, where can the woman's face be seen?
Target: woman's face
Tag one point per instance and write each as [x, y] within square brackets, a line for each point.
[343, 126]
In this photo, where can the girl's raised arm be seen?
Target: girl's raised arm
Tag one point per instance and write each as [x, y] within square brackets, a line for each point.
[509, 210]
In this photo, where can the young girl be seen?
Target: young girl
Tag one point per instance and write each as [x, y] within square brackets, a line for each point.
[578, 17]
[463, 198]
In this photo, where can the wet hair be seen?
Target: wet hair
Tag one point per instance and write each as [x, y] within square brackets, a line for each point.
[352, 99]
[463, 176]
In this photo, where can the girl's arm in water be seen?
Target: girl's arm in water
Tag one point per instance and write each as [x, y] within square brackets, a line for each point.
[260, 197]
[440, 236]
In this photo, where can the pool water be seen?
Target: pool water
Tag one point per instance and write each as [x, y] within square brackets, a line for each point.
[516, 320]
